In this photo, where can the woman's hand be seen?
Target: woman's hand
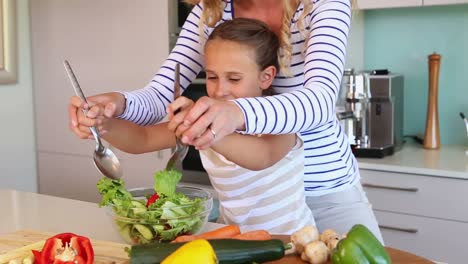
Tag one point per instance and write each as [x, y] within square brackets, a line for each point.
[176, 112]
[209, 120]
[100, 107]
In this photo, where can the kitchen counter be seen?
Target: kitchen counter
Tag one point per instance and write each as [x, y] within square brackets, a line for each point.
[449, 161]
[23, 210]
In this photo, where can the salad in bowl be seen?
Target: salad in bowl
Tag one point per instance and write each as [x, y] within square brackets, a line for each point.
[161, 213]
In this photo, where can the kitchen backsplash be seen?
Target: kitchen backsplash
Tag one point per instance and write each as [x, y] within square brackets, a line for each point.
[401, 40]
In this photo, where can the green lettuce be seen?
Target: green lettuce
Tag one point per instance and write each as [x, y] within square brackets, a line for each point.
[165, 182]
[113, 191]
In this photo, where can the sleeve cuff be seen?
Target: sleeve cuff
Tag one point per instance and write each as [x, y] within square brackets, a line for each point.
[128, 104]
[249, 115]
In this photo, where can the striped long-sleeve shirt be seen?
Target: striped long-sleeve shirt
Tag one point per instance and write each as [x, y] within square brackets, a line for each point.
[306, 100]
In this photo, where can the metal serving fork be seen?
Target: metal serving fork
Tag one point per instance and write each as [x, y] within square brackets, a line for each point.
[181, 149]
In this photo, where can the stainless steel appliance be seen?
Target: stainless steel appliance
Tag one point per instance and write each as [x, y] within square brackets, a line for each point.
[370, 109]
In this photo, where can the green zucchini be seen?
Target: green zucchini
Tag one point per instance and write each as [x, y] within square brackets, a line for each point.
[228, 251]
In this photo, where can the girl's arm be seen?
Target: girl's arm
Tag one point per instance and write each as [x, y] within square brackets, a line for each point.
[253, 152]
[135, 139]
[132, 138]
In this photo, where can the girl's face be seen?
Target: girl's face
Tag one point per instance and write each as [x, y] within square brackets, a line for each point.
[231, 71]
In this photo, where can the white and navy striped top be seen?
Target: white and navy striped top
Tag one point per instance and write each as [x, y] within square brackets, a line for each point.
[306, 100]
[271, 199]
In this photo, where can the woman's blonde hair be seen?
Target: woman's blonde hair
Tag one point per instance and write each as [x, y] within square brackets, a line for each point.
[213, 12]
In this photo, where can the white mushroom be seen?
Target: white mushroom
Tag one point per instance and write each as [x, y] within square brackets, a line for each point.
[304, 236]
[331, 244]
[331, 238]
[329, 234]
[315, 252]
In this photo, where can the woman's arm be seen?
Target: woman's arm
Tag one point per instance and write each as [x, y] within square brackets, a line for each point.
[135, 139]
[308, 98]
[253, 152]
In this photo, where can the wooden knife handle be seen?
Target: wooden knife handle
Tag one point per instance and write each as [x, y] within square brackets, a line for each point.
[432, 136]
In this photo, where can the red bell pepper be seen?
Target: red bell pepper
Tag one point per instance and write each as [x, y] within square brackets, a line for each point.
[65, 248]
[152, 199]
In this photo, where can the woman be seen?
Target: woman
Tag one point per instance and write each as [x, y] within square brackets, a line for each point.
[313, 37]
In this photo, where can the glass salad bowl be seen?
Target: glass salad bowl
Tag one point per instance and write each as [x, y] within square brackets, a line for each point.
[164, 219]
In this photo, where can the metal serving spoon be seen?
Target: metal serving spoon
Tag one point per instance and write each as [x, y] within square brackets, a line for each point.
[181, 149]
[104, 159]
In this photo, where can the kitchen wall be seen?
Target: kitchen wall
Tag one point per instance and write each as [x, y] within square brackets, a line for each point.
[17, 136]
[355, 49]
[111, 45]
[401, 40]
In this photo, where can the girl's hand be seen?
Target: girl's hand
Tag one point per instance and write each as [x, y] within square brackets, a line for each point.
[176, 112]
[112, 104]
[209, 120]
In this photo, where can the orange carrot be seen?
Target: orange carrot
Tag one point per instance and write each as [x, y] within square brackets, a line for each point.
[228, 231]
[185, 238]
[254, 235]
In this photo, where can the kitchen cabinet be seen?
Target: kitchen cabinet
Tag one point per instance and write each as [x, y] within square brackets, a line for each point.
[418, 197]
[378, 4]
[112, 45]
[416, 211]
[444, 2]
[435, 239]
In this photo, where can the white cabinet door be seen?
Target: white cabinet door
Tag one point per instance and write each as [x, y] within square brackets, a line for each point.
[444, 2]
[436, 197]
[421, 235]
[375, 4]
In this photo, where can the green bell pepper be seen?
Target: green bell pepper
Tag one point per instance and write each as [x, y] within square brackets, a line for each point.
[360, 247]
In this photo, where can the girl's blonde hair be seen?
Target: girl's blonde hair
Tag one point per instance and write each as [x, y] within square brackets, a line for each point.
[213, 12]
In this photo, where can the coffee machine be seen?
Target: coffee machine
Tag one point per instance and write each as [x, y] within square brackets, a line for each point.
[370, 110]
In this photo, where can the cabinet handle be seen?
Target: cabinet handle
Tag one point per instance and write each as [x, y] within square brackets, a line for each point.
[407, 230]
[406, 189]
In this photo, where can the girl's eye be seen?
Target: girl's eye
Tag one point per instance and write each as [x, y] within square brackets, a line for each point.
[211, 77]
[234, 79]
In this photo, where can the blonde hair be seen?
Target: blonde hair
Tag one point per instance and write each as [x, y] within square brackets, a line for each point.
[213, 12]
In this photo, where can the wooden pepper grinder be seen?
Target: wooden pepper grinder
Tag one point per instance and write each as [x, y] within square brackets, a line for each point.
[432, 136]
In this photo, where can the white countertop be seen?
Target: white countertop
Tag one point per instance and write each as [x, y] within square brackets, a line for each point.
[449, 161]
[22, 210]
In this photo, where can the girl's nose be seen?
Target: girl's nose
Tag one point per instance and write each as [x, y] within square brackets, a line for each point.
[222, 90]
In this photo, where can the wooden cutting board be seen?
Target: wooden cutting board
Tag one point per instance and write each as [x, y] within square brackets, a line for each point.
[107, 252]
[397, 256]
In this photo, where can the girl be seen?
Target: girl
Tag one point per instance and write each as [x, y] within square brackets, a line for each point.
[259, 179]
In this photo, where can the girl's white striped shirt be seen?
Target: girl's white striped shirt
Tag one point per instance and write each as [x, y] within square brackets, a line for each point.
[272, 199]
[306, 100]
